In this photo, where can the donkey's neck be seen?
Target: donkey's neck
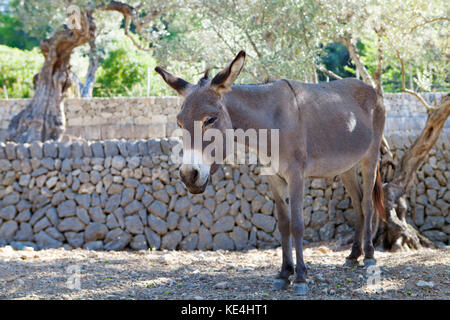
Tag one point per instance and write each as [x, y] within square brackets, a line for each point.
[251, 106]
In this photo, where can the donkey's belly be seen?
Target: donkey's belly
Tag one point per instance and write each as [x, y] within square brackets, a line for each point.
[336, 154]
[331, 167]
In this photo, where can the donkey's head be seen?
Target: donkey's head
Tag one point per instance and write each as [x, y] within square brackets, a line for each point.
[203, 105]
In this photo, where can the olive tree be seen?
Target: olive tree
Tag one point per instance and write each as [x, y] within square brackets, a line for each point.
[73, 24]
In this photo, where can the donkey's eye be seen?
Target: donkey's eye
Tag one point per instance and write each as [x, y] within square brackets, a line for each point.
[209, 121]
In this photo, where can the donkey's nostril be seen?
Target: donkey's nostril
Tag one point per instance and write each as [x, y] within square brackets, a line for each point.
[194, 174]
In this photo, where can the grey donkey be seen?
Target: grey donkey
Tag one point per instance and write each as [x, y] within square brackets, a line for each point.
[325, 129]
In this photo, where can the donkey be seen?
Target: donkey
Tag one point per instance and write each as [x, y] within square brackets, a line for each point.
[325, 129]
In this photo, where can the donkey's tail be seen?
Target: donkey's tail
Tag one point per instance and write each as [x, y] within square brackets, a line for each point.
[378, 196]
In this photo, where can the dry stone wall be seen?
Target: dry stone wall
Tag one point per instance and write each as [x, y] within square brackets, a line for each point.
[117, 194]
[108, 118]
[154, 117]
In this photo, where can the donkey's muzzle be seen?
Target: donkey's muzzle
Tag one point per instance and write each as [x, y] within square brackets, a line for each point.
[194, 177]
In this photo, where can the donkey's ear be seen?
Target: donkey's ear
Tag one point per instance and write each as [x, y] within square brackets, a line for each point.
[224, 79]
[179, 85]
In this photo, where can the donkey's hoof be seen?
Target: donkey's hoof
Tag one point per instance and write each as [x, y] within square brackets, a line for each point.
[300, 288]
[350, 262]
[369, 262]
[280, 284]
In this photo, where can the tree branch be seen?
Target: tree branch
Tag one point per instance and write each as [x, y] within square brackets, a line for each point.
[327, 72]
[348, 43]
[430, 21]
[415, 94]
[130, 14]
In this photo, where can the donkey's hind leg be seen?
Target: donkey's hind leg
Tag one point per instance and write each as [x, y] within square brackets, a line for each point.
[279, 191]
[369, 173]
[351, 183]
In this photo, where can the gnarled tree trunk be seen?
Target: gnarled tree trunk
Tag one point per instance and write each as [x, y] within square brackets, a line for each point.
[397, 233]
[43, 118]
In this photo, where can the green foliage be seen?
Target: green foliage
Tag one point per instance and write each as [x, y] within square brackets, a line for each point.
[17, 68]
[13, 35]
[124, 73]
[337, 59]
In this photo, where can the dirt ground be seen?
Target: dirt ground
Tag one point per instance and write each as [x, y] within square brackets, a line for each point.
[201, 275]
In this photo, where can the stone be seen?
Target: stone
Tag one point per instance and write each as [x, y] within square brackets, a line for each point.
[75, 239]
[247, 182]
[50, 150]
[194, 225]
[24, 216]
[111, 222]
[118, 162]
[190, 242]
[240, 238]
[55, 234]
[41, 225]
[133, 207]
[241, 222]
[97, 149]
[134, 225]
[83, 200]
[66, 209]
[153, 240]
[343, 231]
[435, 235]
[94, 245]
[112, 203]
[264, 222]
[326, 233]
[159, 209]
[119, 214]
[162, 196]
[71, 224]
[25, 232]
[267, 208]
[44, 241]
[182, 205]
[210, 204]
[433, 222]
[48, 163]
[97, 215]
[111, 148]
[11, 199]
[224, 224]
[36, 149]
[115, 188]
[86, 188]
[184, 225]
[38, 215]
[311, 235]
[221, 210]
[205, 217]
[318, 219]
[172, 220]
[117, 239]
[8, 213]
[205, 239]
[425, 284]
[222, 241]
[95, 231]
[257, 203]
[156, 224]
[171, 240]
[139, 242]
[419, 215]
[82, 214]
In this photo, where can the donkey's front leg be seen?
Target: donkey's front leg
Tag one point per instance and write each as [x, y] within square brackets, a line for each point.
[280, 194]
[295, 186]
